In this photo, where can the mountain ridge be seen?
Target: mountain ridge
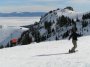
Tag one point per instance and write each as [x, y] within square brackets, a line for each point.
[56, 25]
[22, 14]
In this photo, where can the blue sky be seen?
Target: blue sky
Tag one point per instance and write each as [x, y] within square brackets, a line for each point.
[42, 5]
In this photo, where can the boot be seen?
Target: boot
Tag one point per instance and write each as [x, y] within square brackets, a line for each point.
[71, 51]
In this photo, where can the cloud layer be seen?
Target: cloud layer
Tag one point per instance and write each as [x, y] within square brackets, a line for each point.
[42, 5]
[79, 1]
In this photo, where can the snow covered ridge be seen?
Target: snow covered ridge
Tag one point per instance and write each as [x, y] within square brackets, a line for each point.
[47, 54]
[54, 14]
[56, 24]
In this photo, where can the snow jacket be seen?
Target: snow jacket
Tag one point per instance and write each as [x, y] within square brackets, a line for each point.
[74, 36]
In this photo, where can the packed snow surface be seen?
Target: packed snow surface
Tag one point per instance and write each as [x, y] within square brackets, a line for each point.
[47, 54]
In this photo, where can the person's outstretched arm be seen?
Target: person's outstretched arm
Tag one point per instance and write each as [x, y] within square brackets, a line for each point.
[70, 36]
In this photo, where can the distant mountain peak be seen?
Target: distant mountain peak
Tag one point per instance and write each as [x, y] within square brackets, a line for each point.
[22, 14]
[69, 8]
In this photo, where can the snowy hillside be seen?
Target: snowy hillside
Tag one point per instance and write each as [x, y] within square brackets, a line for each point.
[47, 54]
[9, 32]
[57, 24]
[53, 15]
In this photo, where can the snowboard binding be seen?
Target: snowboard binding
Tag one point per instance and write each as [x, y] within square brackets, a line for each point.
[71, 51]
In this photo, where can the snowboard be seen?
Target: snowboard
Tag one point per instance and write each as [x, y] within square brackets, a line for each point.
[73, 52]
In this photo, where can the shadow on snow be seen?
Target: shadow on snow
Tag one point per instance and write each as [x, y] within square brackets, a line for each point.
[53, 54]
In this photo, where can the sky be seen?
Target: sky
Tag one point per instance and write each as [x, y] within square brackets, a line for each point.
[42, 5]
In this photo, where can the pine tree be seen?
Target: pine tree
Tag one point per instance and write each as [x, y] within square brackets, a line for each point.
[77, 19]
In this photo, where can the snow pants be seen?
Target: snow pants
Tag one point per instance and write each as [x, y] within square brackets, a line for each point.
[74, 45]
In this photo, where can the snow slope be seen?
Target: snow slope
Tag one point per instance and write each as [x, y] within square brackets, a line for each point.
[47, 54]
[9, 32]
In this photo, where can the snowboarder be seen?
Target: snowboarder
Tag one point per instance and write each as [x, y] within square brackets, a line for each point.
[74, 36]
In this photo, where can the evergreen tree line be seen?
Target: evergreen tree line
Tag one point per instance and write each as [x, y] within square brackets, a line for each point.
[48, 26]
[84, 24]
[86, 16]
[65, 21]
